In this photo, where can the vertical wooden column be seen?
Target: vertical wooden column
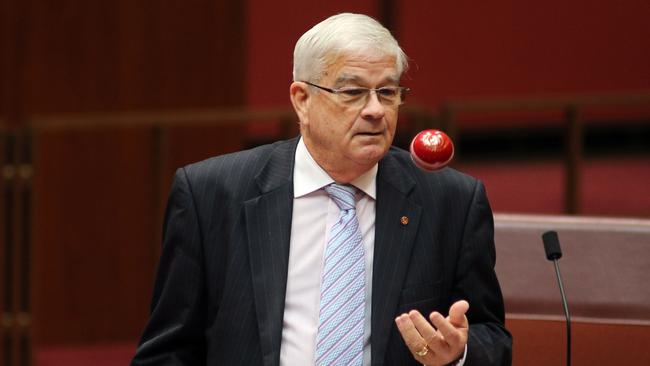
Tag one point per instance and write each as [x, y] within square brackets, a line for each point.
[16, 249]
[573, 159]
[15, 338]
[6, 318]
[24, 241]
[8, 270]
[160, 179]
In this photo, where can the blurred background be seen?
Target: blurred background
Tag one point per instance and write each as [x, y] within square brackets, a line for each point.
[100, 101]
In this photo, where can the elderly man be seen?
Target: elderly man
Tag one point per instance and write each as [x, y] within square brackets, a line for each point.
[331, 248]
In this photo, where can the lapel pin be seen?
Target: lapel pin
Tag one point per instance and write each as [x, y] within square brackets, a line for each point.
[404, 220]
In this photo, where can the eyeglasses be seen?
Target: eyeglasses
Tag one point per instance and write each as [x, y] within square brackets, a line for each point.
[391, 96]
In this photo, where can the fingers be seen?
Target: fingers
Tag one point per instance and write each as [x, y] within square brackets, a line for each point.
[439, 342]
[434, 340]
[427, 332]
[449, 336]
[453, 330]
[414, 341]
[457, 313]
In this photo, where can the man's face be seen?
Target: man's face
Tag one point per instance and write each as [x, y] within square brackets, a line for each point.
[351, 136]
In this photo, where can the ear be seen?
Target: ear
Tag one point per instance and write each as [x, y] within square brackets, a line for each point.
[300, 99]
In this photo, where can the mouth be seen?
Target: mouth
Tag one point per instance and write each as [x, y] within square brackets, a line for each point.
[369, 133]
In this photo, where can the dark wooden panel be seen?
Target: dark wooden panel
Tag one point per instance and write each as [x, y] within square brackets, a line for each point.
[542, 342]
[9, 63]
[15, 195]
[98, 198]
[4, 36]
[6, 272]
[510, 48]
[188, 144]
[97, 55]
[94, 225]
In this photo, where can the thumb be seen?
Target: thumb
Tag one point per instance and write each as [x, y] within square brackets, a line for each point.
[457, 313]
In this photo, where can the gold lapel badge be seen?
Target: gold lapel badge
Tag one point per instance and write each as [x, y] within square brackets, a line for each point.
[404, 220]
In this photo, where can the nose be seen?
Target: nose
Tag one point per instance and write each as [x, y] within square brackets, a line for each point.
[373, 109]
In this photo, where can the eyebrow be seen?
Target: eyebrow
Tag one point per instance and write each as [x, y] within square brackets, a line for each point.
[345, 78]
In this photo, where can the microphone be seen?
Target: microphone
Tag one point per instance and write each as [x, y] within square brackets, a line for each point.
[431, 150]
[553, 253]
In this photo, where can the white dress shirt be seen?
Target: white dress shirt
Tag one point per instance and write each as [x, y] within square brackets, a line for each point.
[314, 213]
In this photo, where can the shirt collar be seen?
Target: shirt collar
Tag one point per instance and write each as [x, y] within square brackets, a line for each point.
[308, 176]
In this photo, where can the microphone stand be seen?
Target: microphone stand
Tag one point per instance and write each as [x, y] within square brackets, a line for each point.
[553, 253]
[566, 312]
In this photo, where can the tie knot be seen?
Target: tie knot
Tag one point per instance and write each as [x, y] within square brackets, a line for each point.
[343, 195]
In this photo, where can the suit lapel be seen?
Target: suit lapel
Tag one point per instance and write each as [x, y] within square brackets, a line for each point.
[393, 243]
[268, 225]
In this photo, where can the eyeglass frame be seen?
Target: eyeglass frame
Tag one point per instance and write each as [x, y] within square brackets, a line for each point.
[402, 90]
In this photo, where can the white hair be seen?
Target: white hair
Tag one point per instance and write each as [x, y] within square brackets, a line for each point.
[341, 34]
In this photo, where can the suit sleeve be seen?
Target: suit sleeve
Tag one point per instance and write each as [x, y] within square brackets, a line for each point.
[174, 333]
[489, 342]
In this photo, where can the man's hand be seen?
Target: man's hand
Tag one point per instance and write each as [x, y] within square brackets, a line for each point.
[437, 343]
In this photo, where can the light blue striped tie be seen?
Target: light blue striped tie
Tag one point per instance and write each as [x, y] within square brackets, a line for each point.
[342, 303]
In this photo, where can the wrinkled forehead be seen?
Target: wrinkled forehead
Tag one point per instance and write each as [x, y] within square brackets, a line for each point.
[359, 66]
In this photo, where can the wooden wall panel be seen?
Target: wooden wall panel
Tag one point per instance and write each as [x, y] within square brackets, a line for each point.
[514, 48]
[189, 144]
[81, 56]
[461, 49]
[543, 342]
[97, 192]
[94, 231]
[7, 62]
[15, 249]
[3, 60]
[5, 261]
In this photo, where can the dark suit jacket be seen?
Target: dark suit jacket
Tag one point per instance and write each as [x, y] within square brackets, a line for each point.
[220, 288]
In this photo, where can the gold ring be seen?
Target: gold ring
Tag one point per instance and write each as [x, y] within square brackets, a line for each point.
[423, 352]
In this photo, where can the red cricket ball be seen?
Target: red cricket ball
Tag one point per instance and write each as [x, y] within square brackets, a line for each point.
[431, 150]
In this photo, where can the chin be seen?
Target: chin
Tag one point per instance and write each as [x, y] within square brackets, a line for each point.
[370, 154]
